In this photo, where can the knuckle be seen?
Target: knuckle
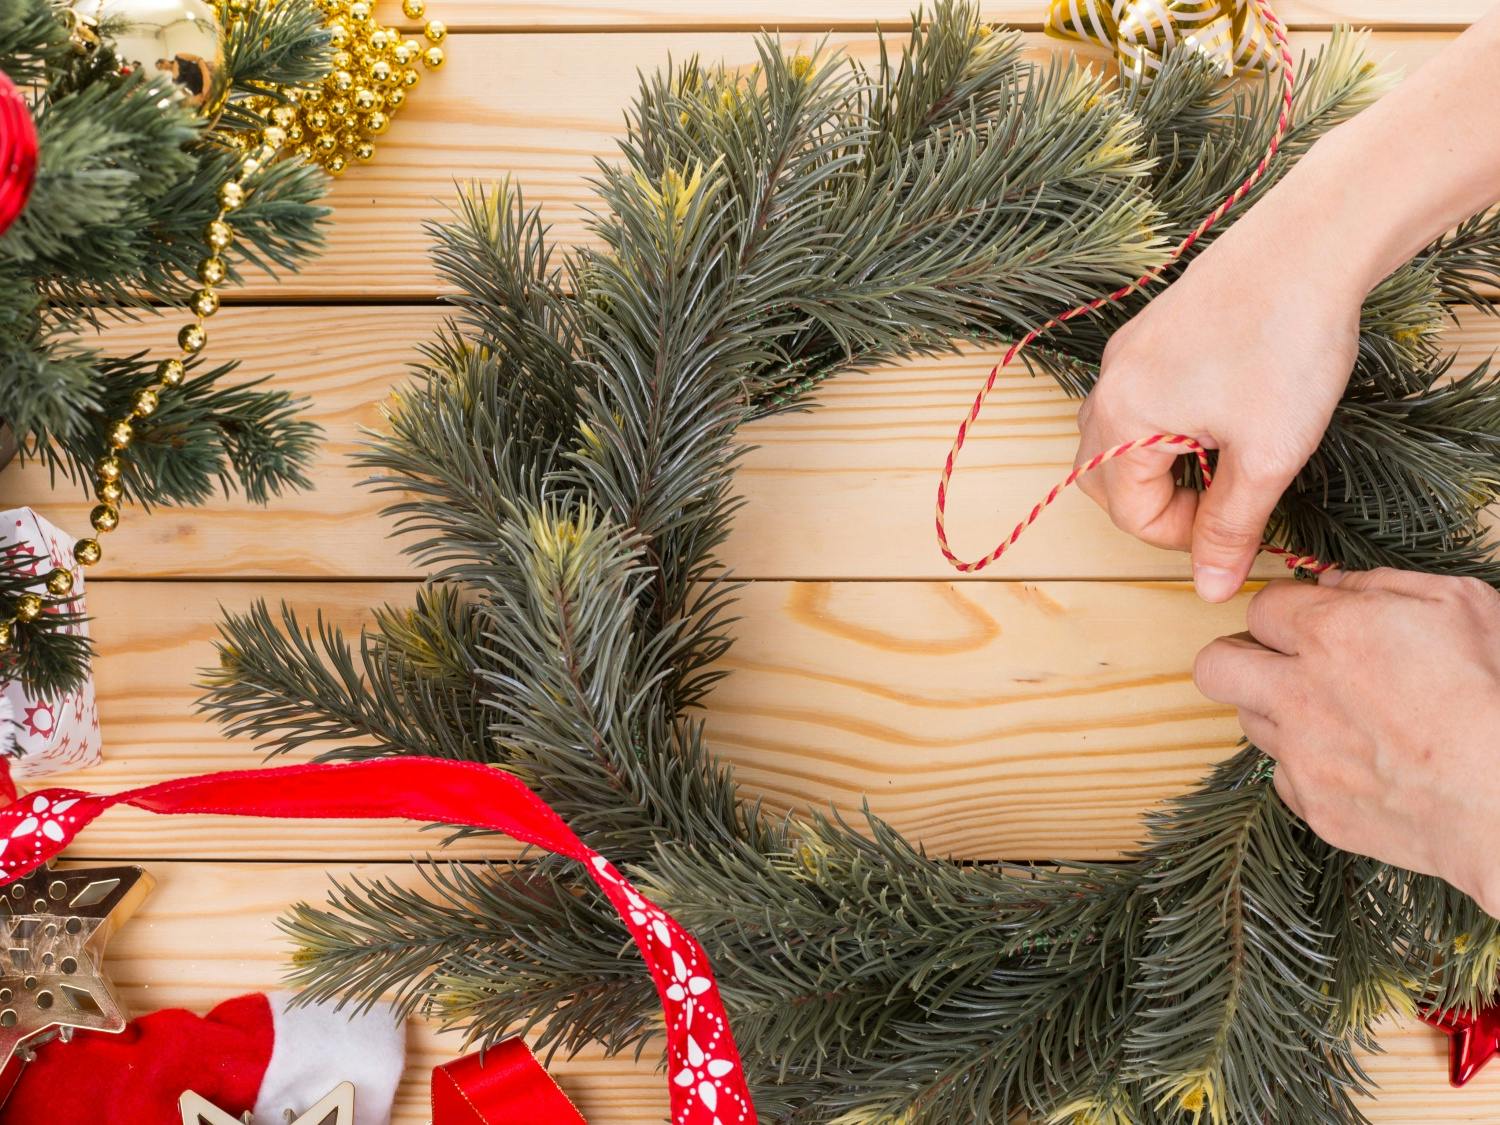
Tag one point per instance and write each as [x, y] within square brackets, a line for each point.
[1224, 529]
[1470, 592]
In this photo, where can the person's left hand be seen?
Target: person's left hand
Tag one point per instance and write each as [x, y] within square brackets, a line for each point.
[1378, 694]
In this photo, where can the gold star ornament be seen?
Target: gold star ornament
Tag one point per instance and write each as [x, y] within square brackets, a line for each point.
[53, 929]
[337, 1108]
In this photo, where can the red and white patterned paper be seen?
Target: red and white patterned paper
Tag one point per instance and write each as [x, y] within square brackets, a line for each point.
[49, 735]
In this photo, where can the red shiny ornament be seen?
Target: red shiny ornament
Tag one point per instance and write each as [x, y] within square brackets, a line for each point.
[1473, 1038]
[17, 152]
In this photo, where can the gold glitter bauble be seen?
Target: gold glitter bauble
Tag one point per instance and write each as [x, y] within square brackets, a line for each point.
[60, 582]
[144, 403]
[211, 271]
[87, 552]
[179, 39]
[192, 338]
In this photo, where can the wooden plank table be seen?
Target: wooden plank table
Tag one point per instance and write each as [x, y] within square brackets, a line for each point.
[1015, 715]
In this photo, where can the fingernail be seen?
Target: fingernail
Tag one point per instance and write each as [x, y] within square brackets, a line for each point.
[1214, 583]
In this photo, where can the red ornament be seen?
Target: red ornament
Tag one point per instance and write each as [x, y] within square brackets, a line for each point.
[17, 152]
[1473, 1038]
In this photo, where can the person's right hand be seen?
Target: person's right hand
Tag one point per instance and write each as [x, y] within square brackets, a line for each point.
[1248, 352]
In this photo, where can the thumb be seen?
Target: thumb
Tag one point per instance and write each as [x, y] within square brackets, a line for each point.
[1228, 525]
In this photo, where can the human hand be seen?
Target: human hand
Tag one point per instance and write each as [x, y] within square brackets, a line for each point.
[1378, 694]
[1248, 352]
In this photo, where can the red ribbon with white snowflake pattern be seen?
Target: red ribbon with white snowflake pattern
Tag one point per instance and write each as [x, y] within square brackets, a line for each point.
[706, 1079]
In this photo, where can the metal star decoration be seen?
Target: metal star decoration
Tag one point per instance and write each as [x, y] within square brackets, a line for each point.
[1473, 1039]
[53, 929]
[336, 1108]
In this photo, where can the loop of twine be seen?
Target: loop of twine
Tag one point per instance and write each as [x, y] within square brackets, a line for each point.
[1188, 444]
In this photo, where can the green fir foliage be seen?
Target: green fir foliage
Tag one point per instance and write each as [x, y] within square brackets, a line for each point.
[562, 463]
[113, 231]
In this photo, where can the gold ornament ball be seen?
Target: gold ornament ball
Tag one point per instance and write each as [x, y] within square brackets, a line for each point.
[395, 99]
[326, 143]
[273, 136]
[284, 116]
[143, 404]
[338, 36]
[192, 338]
[413, 46]
[318, 119]
[433, 58]
[359, 12]
[5, 635]
[364, 99]
[86, 552]
[205, 302]
[109, 468]
[170, 373]
[312, 97]
[364, 152]
[336, 164]
[29, 607]
[236, 8]
[435, 31]
[60, 582]
[231, 195]
[401, 56]
[341, 60]
[294, 134]
[177, 40]
[250, 165]
[120, 434]
[108, 492]
[218, 234]
[380, 40]
[303, 152]
[343, 81]
[381, 71]
[377, 123]
[413, 9]
[408, 77]
[106, 517]
[339, 107]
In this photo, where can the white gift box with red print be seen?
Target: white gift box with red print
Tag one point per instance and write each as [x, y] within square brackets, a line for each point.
[50, 735]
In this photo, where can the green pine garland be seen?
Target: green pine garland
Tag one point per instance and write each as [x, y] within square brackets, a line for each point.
[113, 231]
[563, 465]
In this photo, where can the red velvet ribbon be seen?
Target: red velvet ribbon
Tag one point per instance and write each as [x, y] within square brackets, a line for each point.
[505, 1086]
[706, 1080]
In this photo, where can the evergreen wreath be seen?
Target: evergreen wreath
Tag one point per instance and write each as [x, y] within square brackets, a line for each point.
[564, 460]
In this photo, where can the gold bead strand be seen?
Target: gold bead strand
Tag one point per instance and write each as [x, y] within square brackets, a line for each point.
[218, 236]
[340, 121]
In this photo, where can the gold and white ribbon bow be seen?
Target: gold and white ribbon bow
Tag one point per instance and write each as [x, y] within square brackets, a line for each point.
[1232, 33]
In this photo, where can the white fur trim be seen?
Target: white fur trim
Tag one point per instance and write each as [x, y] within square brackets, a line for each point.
[316, 1048]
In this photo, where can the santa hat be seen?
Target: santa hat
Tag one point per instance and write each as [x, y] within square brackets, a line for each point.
[258, 1054]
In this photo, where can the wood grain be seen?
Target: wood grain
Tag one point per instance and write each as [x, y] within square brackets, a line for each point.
[208, 933]
[518, 105]
[845, 491]
[991, 720]
[638, 15]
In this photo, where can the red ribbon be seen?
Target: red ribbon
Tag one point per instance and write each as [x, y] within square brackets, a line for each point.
[706, 1078]
[18, 151]
[505, 1086]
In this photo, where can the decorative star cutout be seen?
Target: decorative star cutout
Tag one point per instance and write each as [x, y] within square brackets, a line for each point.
[53, 929]
[1473, 1039]
[337, 1108]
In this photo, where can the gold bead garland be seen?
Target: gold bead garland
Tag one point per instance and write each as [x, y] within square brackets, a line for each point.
[337, 123]
[218, 236]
